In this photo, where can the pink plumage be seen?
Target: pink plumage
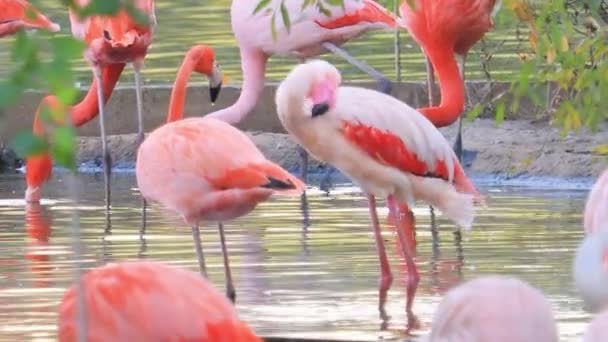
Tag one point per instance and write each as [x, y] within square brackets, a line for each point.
[596, 208]
[150, 301]
[382, 144]
[597, 329]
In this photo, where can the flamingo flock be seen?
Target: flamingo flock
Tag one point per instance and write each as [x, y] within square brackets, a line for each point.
[204, 169]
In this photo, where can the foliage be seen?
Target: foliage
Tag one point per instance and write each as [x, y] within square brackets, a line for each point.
[568, 62]
[44, 60]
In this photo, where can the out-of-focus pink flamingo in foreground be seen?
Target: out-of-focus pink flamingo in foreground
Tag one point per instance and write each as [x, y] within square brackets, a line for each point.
[590, 265]
[312, 33]
[384, 145]
[597, 329]
[493, 308]
[150, 301]
[205, 169]
[14, 17]
[111, 40]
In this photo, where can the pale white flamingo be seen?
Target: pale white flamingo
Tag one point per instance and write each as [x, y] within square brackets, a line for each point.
[311, 33]
[597, 329]
[382, 144]
[493, 308]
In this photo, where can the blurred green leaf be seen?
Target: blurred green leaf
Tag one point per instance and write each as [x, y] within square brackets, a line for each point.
[26, 144]
[62, 149]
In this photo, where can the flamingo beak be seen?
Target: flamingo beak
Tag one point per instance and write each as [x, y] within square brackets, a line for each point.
[215, 83]
[322, 95]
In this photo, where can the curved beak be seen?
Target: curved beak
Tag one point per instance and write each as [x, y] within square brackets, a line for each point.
[215, 83]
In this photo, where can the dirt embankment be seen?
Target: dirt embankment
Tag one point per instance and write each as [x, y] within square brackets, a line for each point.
[514, 148]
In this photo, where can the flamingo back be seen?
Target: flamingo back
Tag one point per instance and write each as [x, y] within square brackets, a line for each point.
[150, 301]
[596, 209]
[14, 15]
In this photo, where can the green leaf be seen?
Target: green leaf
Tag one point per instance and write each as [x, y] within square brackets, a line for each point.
[474, 113]
[285, 17]
[500, 113]
[63, 149]
[261, 5]
[26, 144]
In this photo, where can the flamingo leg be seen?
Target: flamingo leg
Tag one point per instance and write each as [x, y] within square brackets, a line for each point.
[430, 84]
[458, 143]
[386, 278]
[407, 222]
[138, 95]
[144, 216]
[198, 247]
[386, 86]
[303, 163]
[230, 291]
[107, 159]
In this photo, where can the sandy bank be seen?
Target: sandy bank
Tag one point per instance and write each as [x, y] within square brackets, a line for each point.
[515, 148]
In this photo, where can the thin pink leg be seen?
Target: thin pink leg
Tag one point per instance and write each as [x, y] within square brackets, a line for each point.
[386, 278]
[407, 221]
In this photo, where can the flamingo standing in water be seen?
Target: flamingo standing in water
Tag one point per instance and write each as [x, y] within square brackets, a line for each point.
[150, 301]
[590, 266]
[205, 169]
[14, 17]
[111, 40]
[385, 146]
[311, 33]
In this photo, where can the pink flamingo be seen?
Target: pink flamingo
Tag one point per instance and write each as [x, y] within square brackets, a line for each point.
[14, 18]
[205, 169]
[493, 308]
[111, 40]
[590, 266]
[597, 329]
[312, 32]
[150, 301]
[385, 146]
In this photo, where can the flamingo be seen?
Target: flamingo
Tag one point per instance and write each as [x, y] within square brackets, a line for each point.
[312, 32]
[39, 167]
[38, 228]
[205, 169]
[382, 144]
[117, 39]
[150, 301]
[493, 308]
[590, 265]
[446, 31]
[14, 17]
[597, 329]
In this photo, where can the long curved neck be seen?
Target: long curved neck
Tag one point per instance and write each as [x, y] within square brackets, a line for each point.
[451, 85]
[253, 64]
[178, 94]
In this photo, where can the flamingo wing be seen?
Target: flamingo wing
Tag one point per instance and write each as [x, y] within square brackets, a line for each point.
[355, 12]
[14, 15]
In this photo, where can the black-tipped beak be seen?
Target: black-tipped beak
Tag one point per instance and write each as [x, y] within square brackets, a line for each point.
[214, 92]
[106, 35]
[320, 109]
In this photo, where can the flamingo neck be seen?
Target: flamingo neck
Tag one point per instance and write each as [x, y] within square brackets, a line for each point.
[253, 64]
[178, 94]
[451, 86]
[88, 107]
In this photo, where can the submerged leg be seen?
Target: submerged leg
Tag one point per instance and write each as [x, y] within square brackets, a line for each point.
[430, 84]
[198, 247]
[140, 116]
[407, 222]
[386, 278]
[386, 86]
[230, 291]
[107, 159]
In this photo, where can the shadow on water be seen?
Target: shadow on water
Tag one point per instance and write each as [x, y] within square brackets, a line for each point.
[304, 267]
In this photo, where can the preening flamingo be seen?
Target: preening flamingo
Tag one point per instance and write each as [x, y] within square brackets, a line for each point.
[14, 17]
[150, 301]
[446, 31]
[117, 39]
[493, 308]
[382, 144]
[312, 33]
[590, 266]
[39, 167]
[205, 169]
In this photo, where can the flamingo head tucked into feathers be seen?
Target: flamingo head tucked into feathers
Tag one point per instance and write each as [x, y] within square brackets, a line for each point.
[314, 84]
[590, 269]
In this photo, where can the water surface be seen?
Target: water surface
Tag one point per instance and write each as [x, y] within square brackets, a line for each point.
[311, 276]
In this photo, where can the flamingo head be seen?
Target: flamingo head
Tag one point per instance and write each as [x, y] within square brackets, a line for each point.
[590, 269]
[203, 59]
[314, 84]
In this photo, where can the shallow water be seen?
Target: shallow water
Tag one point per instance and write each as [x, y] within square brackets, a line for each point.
[296, 276]
[187, 22]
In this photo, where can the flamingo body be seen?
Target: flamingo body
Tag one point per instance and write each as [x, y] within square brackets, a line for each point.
[206, 170]
[597, 329]
[496, 309]
[150, 301]
[596, 207]
[14, 17]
